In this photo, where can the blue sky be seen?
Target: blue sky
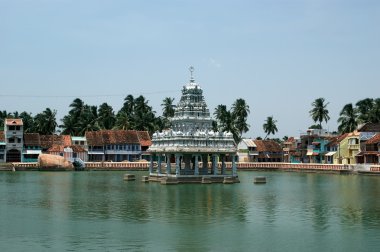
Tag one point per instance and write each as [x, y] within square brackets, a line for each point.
[278, 55]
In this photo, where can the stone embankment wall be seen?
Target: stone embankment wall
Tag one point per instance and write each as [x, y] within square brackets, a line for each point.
[144, 166]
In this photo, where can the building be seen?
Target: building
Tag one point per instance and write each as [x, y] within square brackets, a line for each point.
[290, 150]
[32, 147]
[268, 151]
[145, 143]
[247, 150]
[116, 145]
[192, 144]
[313, 146]
[370, 154]
[14, 134]
[2, 147]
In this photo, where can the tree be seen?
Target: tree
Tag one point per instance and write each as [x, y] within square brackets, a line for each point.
[168, 107]
[106, 119]
[234, 120]
[374, 114]
[240, 111]
[364, 108]
[122, 120]
[319, 111]
[45, 122]
[4, 115]
[270, 126]
[28, 122]
[225, 121]
[348, 119]
[167, 111]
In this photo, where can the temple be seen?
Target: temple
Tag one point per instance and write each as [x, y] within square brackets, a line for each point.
[190, 151]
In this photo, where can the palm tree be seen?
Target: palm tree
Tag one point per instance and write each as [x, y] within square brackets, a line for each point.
[106, 118]
[46, 122]
[28, 122]
[122, 120]
[240, 111]
[77, 107]
[4, 115]
[348, 119]
[374, 114]
[319, 112]
[70, 126]
[270, 126]
[168, 107]
[225, 122]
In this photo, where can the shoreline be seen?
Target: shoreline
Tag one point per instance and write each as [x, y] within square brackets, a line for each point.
[359, 169]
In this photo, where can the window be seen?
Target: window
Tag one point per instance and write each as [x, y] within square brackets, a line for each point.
[17, 127]
[11, 140]
[19, 140]
[11, 127]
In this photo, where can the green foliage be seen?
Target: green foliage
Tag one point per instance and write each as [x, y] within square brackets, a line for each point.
[319, 112]
[270, 126]
[234, 120]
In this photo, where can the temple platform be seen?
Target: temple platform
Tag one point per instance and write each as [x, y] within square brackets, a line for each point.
[171, 179]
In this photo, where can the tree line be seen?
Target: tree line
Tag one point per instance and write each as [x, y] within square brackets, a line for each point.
[364, 111]
[135, 114]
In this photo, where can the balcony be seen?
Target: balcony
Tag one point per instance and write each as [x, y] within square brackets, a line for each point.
[253, 153]
[285, 149]
[354, 146]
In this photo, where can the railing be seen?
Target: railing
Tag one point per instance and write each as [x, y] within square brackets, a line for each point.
[354, 146]
[293, 166]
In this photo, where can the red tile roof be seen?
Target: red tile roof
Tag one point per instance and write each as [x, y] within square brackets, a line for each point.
[144, 138]
[369, 127]
[110, 137]
[267, 146]
[60, 148]
[32, 139]
[47, 141]
[374, 140]
[17, 122]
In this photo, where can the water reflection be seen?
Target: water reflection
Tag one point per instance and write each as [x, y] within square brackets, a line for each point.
[98, 210]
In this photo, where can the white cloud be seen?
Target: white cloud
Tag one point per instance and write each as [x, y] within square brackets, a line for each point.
[214, 63]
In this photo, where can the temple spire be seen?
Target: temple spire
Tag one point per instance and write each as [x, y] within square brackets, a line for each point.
[191, 69]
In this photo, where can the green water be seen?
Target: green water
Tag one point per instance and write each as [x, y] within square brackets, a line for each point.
[98, 211]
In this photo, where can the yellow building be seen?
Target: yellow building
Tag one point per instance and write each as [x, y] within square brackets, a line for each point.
[348, 148]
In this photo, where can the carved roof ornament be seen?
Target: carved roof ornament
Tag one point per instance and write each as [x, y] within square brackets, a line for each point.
[191, 69]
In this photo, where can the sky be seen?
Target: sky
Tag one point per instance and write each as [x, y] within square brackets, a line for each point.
[278, 55]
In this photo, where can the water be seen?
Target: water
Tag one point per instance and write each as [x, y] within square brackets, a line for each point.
[98, 211]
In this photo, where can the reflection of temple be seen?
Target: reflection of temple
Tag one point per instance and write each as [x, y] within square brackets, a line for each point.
[192, 144]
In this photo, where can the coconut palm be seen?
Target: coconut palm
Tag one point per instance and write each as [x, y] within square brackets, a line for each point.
[28, 122]
[45, 122]
[348, 119]
[374, 114]
[122, 120]
[168, 107]
[240, 111]
[270, 126]
[106, 118]
[319, 112]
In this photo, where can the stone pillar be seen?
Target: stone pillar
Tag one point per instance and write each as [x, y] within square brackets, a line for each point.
[151, 164]
[205, 163]
[177, 164]
[215, 164]
[159, 164]
[168, 164]
[196, 165]
[234, 168]
[223, 157]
